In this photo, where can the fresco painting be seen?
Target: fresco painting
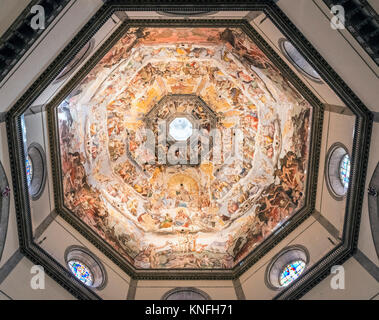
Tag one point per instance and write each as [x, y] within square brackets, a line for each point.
[205, 216]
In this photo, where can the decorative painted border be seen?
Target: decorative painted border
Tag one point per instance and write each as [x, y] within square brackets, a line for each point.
[361, 142]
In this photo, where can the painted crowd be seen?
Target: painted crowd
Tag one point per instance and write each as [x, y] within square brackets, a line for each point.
[207, 215]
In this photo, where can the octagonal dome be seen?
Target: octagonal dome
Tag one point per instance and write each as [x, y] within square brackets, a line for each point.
[115, 152]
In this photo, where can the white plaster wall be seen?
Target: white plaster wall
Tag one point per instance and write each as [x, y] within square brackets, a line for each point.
[9, 11]
[374, 4]
[18, 285]
[271, 34]
[337, 128]
[155, 289]
[36, 131]
[287, 241]
[3, 296]
[61, 235]
[100, 36]
[359, 74]
[312, 235]
[359, 285]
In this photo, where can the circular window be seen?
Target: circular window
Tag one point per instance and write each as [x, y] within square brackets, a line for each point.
[35, 166]
[180, 129]
[291, 272]
[297, 60]
[75, 62]
[81, 271]
[85, 267]
[286, 267]
[345, 171]
[337, 171]
[186, 13]
[186, 294]
[29, 170]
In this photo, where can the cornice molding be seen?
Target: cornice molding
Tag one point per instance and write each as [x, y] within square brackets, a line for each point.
[20, 36]
[362, 22]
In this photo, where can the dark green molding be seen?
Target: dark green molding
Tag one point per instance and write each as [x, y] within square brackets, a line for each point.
[359, 155]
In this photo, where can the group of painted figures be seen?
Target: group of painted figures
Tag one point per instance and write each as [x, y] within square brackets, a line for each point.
[213, 214]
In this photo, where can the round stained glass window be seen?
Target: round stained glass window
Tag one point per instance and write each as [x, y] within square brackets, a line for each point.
[81, 271]
[291, 272]
[29, 170]
[345, 171]
[180, 129]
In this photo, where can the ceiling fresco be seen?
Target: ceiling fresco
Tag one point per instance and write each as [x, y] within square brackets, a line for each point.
[184, 148]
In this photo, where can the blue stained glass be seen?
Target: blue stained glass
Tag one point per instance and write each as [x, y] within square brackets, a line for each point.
[81, 271]
[29, 170]
[345, 171]
[291, 272]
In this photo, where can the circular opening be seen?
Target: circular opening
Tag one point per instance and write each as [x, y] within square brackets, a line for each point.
[291, 272]
[286, 267]
[296, 58]
[29, 170]
[345, 171]
[81, 272]
[337, 171]
[35, 166]
[79, 57]
[86, 267]
[180, 129]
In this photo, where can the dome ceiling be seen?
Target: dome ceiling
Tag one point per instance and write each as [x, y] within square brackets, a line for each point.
[184, 147]
[180, 149]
